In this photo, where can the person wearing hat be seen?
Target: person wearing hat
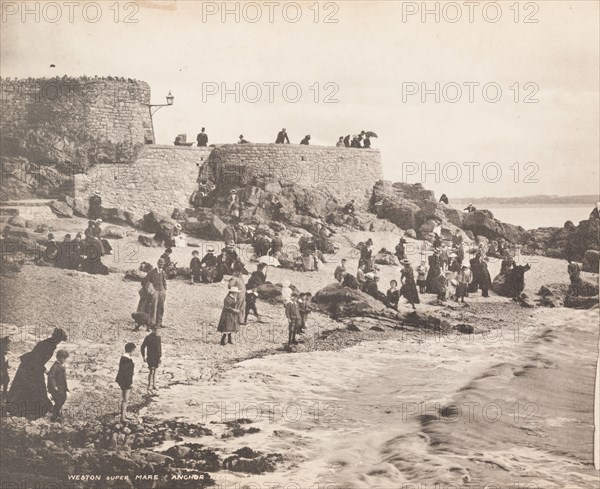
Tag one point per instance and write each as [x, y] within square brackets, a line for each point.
[400, 251]
[463, 278]
[169, 266]
[95, 206]
[234, 205]
[242, 140]
[349, 208]
[393, 295]
[441, 282]
[158, 278]
[409, 286]
[28, 397]
[208, 266]
[305, 140]
[202, 138]
[230, 316]
[470, 208]
[282, 137]
[340, 143]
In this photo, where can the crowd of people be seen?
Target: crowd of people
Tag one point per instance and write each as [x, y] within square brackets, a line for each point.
[360, 140]
[84, 252]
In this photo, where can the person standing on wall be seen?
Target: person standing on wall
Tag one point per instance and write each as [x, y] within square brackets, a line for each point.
[282, 137]
[202, 138]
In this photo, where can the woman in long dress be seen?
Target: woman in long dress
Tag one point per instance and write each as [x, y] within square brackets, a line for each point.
[433, 272]
[27, 396]
[230, 316]
[409, 287]
[237, 281]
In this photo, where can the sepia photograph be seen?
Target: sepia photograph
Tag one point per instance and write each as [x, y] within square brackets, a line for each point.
[348, 244]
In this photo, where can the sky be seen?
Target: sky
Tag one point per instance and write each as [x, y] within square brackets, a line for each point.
[349, 66]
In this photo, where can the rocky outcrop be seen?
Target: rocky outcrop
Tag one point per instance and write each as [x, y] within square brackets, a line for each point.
[591, 261]
[483, 223]
[570, 241]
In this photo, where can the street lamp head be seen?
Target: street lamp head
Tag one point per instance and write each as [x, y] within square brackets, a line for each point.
[170, 98]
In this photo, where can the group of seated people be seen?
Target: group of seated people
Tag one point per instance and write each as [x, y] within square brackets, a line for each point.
[212, 268]
[82, 253]
[362, 140]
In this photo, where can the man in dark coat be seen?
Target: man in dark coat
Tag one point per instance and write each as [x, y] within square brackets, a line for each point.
[57, 383]
[202, 138]
[347, 141]
[282, 137]
[158, 278]
[306, 140]
[208, 266]
[151, 351]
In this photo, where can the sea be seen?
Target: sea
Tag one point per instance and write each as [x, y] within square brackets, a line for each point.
[532, 216]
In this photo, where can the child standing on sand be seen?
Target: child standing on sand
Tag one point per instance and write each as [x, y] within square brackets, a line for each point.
[251, 295]
[57, 383]
[125, 378]
[303, 309]
[422, 270]
[153, 348]
[292, 313]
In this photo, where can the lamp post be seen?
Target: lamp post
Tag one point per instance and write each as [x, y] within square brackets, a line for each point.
[153, 108]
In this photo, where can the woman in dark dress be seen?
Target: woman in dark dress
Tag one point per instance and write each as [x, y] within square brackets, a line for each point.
[485, 281]
[366, 256]
[230, 316]
[409, 287]
[433, 272]
[27, 396]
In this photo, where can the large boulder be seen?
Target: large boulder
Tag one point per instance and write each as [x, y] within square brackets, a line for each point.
[205, 224]
[61, 209]
[591, 261]
[511, 283]
[483, 223]
[115, 215]
[404, 204]
[151, 221]
[338, 301]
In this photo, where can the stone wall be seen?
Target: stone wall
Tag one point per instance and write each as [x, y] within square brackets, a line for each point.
[164, 177]
[348, 173]
[161, 179]
[113, 109]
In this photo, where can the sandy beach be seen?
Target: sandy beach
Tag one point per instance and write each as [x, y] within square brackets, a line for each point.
[360, 403]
